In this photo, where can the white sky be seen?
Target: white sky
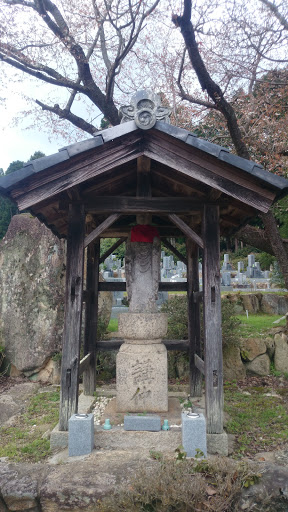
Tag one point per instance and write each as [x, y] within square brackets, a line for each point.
[18, 143]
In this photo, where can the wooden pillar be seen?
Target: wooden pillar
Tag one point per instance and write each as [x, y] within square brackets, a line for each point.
[91, 316]
[73, 315]
[212, 321]
[194, 328]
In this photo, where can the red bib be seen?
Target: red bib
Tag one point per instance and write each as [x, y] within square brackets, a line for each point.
[144, 233]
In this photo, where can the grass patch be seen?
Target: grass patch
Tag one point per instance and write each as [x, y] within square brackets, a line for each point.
[259, 422]
[256, 325]
[23, 441]
[113, 325]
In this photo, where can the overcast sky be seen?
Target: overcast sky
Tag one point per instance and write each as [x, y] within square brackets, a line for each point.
[18, 142]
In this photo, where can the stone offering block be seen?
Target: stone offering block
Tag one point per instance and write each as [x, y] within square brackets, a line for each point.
[194, 434]
[80, 434]
[149, 422]
[142, 378]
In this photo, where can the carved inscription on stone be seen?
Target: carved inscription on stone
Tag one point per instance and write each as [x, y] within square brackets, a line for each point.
[142, 372]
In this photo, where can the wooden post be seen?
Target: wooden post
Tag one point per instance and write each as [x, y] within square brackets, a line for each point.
[194, 339]
[91, 316]
[73, 315]
[212, 321]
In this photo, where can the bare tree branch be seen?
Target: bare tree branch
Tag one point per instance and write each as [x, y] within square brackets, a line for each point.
[68, 116]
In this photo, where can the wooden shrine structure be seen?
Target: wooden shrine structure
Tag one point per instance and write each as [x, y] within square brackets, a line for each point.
[96, 187]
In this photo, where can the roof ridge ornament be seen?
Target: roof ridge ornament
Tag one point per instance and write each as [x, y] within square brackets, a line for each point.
[145, 109]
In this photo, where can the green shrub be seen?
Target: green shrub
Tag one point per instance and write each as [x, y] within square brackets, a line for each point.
[177, 311]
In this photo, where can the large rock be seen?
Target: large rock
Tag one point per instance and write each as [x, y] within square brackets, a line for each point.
[252, 347]
[273, 304]
[31, 293]
[233, 367]
[251, 302]
[259, 366]
[281, 352]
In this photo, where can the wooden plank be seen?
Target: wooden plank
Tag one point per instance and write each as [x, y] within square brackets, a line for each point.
[115, 344]
[143, 176]
[103, 226]
[112, 248]
[199, 363]
[173, 249]
[186, 230]
[194, 327]
[73, 314]
[91, 316]
[130, 205]
[84, 363]
[212, 321]
[163, 286]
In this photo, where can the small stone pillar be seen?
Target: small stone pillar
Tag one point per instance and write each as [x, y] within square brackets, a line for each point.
[141, 364]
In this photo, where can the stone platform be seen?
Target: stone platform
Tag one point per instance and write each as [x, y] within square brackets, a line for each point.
[119, 439]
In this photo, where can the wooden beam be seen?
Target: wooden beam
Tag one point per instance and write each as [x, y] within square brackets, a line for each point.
[84, 363]
[120, 286]
[133, 205]
[212, 321]
[199, 363]
[143, 176]
[112, 248]
[197, 297]
[91, 316]
[171, 248]
[102, 227]
[194, 326]
[186, 230]
[73, 315]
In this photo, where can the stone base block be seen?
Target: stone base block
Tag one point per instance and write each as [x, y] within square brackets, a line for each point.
[81, 434]
[217, 444]
[148, 423]
[142, 378]
[194, 434]
[137, 327]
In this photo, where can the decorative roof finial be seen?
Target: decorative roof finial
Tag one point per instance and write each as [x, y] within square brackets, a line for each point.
[145, 109]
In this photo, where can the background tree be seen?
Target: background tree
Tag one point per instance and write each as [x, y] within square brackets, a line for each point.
[7, 208]
[220, 103]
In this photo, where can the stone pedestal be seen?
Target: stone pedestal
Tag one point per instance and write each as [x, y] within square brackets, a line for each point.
[141, 364]
[141, 377]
